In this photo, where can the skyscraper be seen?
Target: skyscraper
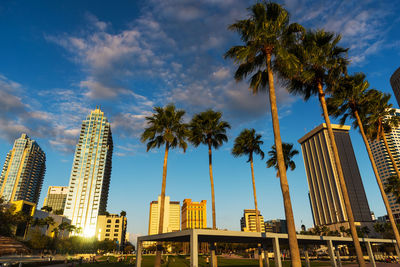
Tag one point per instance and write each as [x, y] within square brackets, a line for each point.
[56, 197]
[395, 83]
[194, 214]
[325, 192]
[90, 174]
[23, 171]
[248, 221]
[171, 216]
[384, 164]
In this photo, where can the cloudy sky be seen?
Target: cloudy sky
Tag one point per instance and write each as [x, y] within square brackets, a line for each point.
[58, 60]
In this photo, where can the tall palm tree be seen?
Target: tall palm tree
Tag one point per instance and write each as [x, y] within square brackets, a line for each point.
[165, 128]
[381, 121]
[247, 144]
[266, 35]
[288, 154]
[207, 128]
[353, 99]
[322, 64]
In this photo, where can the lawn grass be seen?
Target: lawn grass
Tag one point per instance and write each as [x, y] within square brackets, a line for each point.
[183, 261]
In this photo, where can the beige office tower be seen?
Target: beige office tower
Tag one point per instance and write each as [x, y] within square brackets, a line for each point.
[90, 175]
[384, 164]
[56, 197]
[112, 227]
[194, 214]
[248, 221]
[171, 216]
[325, 194]
[23, 171]
[395, 83]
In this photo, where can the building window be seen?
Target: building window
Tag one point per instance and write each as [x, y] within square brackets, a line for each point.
[107, 234]
[107, 230]
[108, 226]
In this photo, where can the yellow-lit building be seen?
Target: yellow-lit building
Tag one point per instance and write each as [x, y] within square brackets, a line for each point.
[26, 207]
[194, 214]
[23, 171]
[171, 216]
[248, 221]
[56, 197]
[111, 227]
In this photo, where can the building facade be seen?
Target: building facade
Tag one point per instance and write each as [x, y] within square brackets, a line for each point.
[23, 171]
[90, 174]
[112, 227]
[325, 192]
[276, 226]
[395, 83]
[171, 216]
[248, 221]
[194, 214]
[384, 164]
[56, 197]
[49, 230]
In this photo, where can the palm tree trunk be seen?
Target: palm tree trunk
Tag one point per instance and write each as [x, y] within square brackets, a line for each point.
[378, 180]
[291, 227]
[258, 227]
[390, 154]
[157, 262]
[345, 195]
[213, 256]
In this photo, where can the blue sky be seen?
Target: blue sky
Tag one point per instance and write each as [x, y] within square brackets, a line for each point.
[58, 60]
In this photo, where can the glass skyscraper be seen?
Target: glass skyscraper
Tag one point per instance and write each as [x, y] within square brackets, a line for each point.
[23, 171]
[90, 174]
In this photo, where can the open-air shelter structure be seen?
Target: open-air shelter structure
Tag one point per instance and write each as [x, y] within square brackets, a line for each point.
[268, 240]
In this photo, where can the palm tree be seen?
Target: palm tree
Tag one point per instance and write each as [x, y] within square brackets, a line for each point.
[266, 35]
[247, 144]
[381, 121]
[165, 127]
[353, 99]
[288, 154]
[322, 64]
[207, 128]
[123, 213]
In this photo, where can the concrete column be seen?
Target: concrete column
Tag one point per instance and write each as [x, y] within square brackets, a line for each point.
[307, 258]
[331, 253]
[339, 261]
[139, 253]
[213, 256]
[277, 253]
[370, 254]
[266, 258]
[194, 249]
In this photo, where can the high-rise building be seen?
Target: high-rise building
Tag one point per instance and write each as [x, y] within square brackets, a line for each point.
[325, 191]
[112, 227]
[23, 171]
[384, 164]
[90, 174]
[194, 214]
[248, 221]
[56, 197]
[276, 226]
[395, 83]
[171, 216]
